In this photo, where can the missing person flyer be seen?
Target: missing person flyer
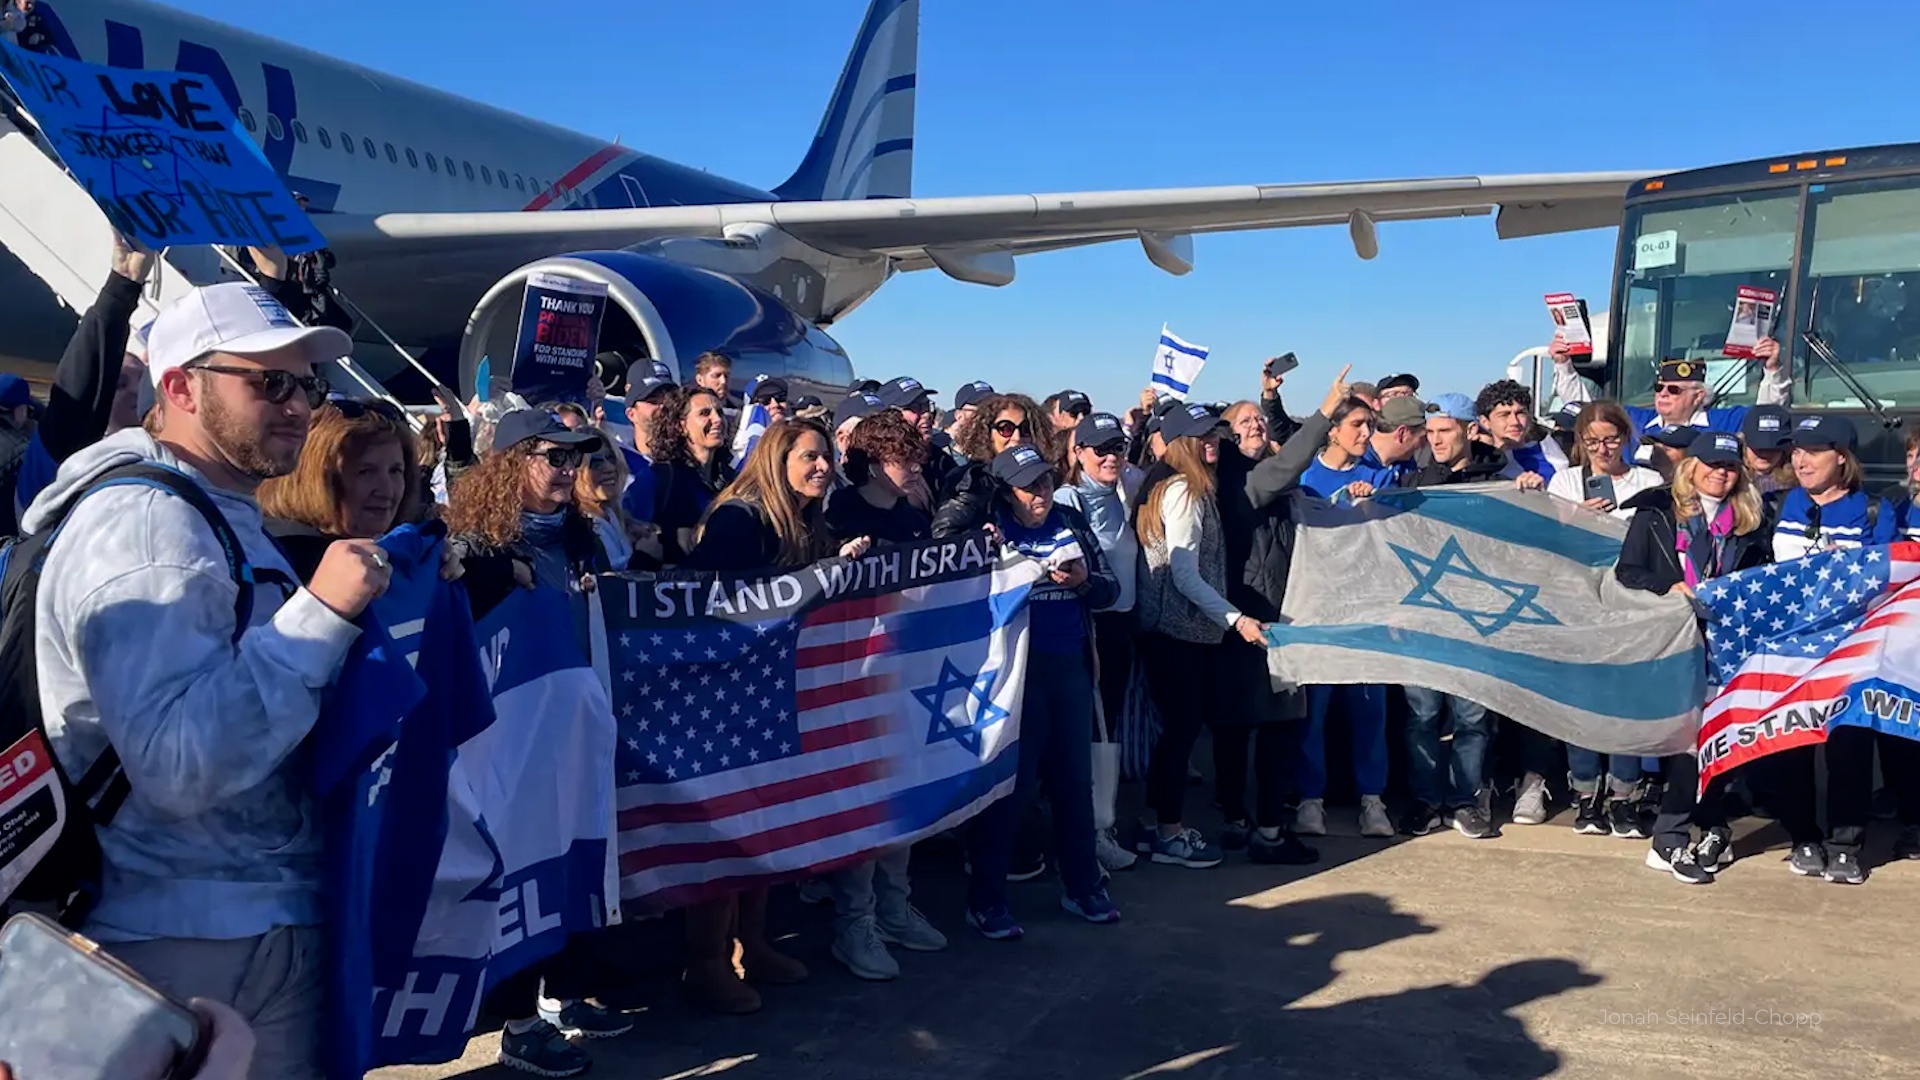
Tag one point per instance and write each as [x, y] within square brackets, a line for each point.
[1570, 323]
[1753, 314]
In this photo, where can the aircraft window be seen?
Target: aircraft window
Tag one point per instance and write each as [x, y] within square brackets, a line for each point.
[368, 145]
[519, 182]
[468, 165]
[275, 130]
[393, 155]
[413, 159]
[326, 140]
[433, 164]
[299, 132]
[246, 119]
[502, 174]
[486, 175]
[450, 167]
[346, 142]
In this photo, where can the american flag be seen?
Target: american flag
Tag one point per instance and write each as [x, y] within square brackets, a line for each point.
[1794, 644]
[754, 750]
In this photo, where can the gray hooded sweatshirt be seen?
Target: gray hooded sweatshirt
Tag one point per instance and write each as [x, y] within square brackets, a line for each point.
[219, 839]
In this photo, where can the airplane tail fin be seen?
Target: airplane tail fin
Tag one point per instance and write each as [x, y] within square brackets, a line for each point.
[864, 148]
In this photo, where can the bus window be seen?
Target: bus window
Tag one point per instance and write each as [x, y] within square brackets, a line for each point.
[1685, 261]
[1861, 290]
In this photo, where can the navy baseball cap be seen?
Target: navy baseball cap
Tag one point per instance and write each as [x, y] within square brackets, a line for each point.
[808, 401]
[1188, 420]
[1100, 430]
[522, 424]
[648, 388]
[14, 392]
[866, 386]
[855, 406]
[1567, 417]
[1818, 432]
[1678, 436]
[1391, 381]
[1019, 466]
[1715, 448]
[1073, 403]
[771, 388]
[1162, 411]
[903, 393]
[972, 393]
[1767, 427]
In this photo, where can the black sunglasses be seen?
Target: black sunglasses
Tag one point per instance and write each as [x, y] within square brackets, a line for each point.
[1007, 429]
[354, 409]
[562, 457]
[276, 386]
[1813, 520]
[773, 399]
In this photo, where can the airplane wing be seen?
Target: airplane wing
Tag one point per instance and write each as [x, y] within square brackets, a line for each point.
[973, 238]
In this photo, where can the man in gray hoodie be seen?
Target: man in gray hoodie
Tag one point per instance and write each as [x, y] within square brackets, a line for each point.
[210, 883]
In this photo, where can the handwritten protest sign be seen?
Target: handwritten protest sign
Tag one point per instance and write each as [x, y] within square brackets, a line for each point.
[559, 335]
[160, 152]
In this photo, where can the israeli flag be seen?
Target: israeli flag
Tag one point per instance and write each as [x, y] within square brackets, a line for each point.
[753, 424]
[1176, 364]
[1503, 597]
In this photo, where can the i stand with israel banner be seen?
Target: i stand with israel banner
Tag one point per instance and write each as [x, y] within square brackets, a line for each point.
[1504, 597]
[1176, 364]
[774, 723]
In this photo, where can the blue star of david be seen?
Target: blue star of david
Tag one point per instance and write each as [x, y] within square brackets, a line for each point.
[1430, 574]
[977, 689]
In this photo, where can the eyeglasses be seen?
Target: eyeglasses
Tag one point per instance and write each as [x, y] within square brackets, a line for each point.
[774, 399]
[1007, 429]
[354, 409]
[562, 457]
[1675, 388]
[1603, 444]
[275, 386]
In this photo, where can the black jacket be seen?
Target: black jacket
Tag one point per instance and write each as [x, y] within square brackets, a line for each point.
[1280, 426]
[737, 536]
[1256, 517]
[964, 500]
[1649, 559]
[1484, 463]
[13, 449]
[681, 495]
[489, 569]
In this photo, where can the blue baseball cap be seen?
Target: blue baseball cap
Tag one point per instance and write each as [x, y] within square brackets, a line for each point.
[1819, 432]
[646, 389]
[904, 393]
[1677, 436]
[15, 392]
[1715, 448]
[855, 406]
[1191, 419]
[522, 424]
[972, 393]
[1099, 430]
[1019, 466]
[1767, 427]
[1453, 407]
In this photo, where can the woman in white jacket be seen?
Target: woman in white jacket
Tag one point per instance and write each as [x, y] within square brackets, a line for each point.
[1184, 618]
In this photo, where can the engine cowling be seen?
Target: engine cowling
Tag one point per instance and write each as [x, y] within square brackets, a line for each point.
[666, 311]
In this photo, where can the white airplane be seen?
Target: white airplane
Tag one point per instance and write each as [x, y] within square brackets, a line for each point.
[438, 206]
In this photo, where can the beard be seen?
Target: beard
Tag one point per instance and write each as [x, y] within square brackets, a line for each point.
[243, 443]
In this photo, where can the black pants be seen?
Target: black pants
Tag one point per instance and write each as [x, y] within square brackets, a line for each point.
[1184, 679]
[1850, 782]
[1253, 718]
[1113, 643]
[1543, 754]
[1787, 778]
[569, 975]
[1679, 810]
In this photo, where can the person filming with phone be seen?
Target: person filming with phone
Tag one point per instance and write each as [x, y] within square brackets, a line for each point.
[1600, 477]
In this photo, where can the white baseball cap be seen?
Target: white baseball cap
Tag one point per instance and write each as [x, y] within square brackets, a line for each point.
[234, 317]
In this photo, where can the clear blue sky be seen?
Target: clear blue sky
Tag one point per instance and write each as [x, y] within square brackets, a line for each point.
[1067, 95]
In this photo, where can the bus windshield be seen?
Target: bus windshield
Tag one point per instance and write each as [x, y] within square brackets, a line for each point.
[1860, 290]
[1684, 262]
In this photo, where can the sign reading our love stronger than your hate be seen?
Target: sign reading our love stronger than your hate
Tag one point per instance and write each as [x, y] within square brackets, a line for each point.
[160, 152]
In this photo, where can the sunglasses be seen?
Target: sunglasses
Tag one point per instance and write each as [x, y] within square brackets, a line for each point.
[1675, 388]
[1007, 429]
[562, 457]
[1110, 449]
[275, 386]
[354, 409]
[774, 399]
[1813, 520]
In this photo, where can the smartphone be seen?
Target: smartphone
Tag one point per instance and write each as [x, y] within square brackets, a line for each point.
[1600, 486]
[1282, 364]
[68, 1011]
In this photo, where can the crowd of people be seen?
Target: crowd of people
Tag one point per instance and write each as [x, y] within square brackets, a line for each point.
[1165, 529]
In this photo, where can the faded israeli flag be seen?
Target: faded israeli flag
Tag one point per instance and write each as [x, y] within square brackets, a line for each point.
[1176, 364]
[1503, 597]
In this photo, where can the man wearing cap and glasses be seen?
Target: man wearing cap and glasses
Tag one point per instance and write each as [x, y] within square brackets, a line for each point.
[1680, 394]
[150, 645]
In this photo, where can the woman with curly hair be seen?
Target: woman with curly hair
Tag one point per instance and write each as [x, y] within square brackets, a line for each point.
[771, 516]
[887, 497]
[1003, 422]
[688, 448]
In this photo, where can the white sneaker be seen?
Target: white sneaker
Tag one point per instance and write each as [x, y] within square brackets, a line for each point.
[1311, 818]
[1109, 852]
[1373, 817]
[910, 930]
[860, 948]
[1530, 805]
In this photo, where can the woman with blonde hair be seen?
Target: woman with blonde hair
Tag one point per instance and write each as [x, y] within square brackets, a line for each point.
[597, 489]
[771, 515]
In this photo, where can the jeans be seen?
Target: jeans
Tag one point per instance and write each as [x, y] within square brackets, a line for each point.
[1366, 709]
[1472, 729]
[1056, 729]
[859, 891]
[1623, 770]
[1183, 678]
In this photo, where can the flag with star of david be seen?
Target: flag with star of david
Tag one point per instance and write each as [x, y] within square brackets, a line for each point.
[1503, 597]
[1802, 646]
[776, 723]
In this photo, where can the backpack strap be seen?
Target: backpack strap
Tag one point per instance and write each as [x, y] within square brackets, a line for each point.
[104, 787]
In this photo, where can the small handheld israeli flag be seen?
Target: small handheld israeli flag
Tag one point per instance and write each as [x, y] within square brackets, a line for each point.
[1176, 364]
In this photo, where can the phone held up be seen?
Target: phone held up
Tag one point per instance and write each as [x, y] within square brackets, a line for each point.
[1600, 486]
[68, 1011]
[1282, 364]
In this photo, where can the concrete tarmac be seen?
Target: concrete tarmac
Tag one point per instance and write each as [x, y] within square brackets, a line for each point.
[1538, 953]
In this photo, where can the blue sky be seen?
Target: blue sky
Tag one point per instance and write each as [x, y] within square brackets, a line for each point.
[1071, 95]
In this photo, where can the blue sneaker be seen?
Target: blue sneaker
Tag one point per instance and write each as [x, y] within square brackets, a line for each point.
[586, 1020]
[995, 924]
[1095, 907]
[542, 1051]
[1185, 848]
